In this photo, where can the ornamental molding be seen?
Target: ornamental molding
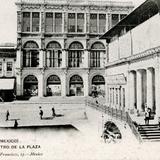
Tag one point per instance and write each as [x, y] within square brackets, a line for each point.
[30, 6]
[120, 9]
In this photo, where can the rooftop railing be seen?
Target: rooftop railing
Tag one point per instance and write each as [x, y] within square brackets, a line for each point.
[74, 2]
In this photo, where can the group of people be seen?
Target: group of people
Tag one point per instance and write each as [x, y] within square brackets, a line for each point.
[41, 112]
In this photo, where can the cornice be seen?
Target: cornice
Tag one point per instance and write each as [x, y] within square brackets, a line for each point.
[136, 57]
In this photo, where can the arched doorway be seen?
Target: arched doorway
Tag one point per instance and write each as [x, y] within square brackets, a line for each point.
[76, 86]
[98, 86]
[53, 86]
[30, 86]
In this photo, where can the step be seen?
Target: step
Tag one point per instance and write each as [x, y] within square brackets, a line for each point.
[150, 132]
[150, 135]
[155, 137]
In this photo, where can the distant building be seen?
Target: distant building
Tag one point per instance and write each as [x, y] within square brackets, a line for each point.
[7, 71]
[58, 48]
[133, 66]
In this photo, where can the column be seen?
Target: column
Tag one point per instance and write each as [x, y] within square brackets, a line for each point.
[86, 84]
[64, 58]
[139, 90]
[87, 23]
[132, 90]
[41, 59]
[63, 21]
[19, 59]
[157, 90]
[109, 21]
[64, 84]
[41, 84]
[86, 59]
[149, 88]
[19, 84]
[122, 105]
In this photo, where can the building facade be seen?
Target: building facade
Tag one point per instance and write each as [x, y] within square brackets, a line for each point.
[7, 71]
[133, 69]
[58, 48]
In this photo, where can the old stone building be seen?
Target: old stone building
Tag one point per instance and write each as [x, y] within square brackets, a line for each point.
[58, 48]
[7, 71]
[133, 67]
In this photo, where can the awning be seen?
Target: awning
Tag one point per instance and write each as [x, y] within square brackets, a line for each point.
[7, 84]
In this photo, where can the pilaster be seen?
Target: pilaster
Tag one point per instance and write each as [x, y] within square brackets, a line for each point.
[149, 88]
[139, 90]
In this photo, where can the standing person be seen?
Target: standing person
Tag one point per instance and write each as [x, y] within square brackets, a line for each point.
[41, 112]
[15, 124]
[7, 115]
[53, 112]
[147, 116]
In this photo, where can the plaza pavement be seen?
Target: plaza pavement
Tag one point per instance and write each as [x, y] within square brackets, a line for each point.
[87, 146]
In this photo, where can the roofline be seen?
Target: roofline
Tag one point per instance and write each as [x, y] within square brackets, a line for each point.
[157, 2]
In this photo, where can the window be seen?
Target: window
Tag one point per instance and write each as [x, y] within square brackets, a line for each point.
[122, 16]
[71, 22]
[28, 25]
[58, 22]
[75, 55]
[93, 23]
[97, 23]
[95, 59]
[115, 19]
[75, 22]
[53, 55]
[26, 22]
[31, 55]
[96, 55]
[31, 58]
[9, 66]
[102, 23]
[35, 22]
[80, 22]
[57, 19]
[49, 22]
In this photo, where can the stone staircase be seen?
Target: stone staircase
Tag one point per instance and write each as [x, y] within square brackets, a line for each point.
[150, 132]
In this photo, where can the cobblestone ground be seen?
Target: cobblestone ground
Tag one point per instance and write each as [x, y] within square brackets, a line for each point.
[86, 144]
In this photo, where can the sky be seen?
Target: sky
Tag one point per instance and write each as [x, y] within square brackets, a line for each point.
[8, 25]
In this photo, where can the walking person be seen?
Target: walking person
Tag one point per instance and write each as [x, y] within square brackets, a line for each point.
[7, 115]
[41, 112]
[53, 112]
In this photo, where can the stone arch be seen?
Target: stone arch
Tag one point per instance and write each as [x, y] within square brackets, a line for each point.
[76, 45]
[53, 84]
[76, 85]
[97, 46]
[98, 85]
[30, 45]
[53, 45]
[30, 86]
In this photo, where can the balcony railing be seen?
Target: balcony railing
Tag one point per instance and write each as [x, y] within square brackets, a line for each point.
[117, 114]
[84, 2]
